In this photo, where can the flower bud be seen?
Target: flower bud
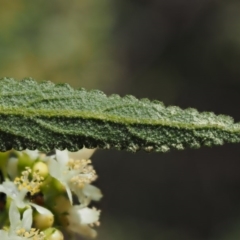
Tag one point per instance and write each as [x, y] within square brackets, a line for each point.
[43, 221]
[53, 234]
[41, 168]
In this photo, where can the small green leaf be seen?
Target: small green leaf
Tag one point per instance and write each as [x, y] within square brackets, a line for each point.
[47, 116]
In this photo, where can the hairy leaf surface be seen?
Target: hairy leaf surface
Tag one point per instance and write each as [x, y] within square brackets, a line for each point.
[47, 116]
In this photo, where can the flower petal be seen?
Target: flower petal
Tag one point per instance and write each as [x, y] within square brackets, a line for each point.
[84, 153]
[3, 235]
[33, 154]
[62, 157]
[54, 168]
[92, 192]
[9, 188]
[19, 199]
[27, 219]
[69, 193]
[88, 215]
[41, 210]
[84, 230]
[14, 216]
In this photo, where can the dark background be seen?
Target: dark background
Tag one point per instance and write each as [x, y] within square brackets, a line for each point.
[184, 53]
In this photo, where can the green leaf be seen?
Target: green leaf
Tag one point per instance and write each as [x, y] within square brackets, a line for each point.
[47, 116]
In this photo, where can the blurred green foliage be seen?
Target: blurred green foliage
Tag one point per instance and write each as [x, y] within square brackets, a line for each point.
[58, 41]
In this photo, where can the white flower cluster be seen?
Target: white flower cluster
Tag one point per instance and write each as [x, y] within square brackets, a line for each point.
[48, 191]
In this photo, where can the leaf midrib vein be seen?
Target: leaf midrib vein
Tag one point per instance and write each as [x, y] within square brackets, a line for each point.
[32, 113]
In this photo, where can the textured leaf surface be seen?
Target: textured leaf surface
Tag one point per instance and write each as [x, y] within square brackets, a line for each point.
[47, 116]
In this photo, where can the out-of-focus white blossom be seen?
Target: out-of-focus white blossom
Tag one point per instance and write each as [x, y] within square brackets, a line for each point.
[81, 219]
[77, 219]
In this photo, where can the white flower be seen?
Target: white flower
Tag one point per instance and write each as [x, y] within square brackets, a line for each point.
[18, 196]
[58, 169]
[20, 229]
[75, 175]
[87, 193]
[77, 219]
[18, 189]
[80, 219]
